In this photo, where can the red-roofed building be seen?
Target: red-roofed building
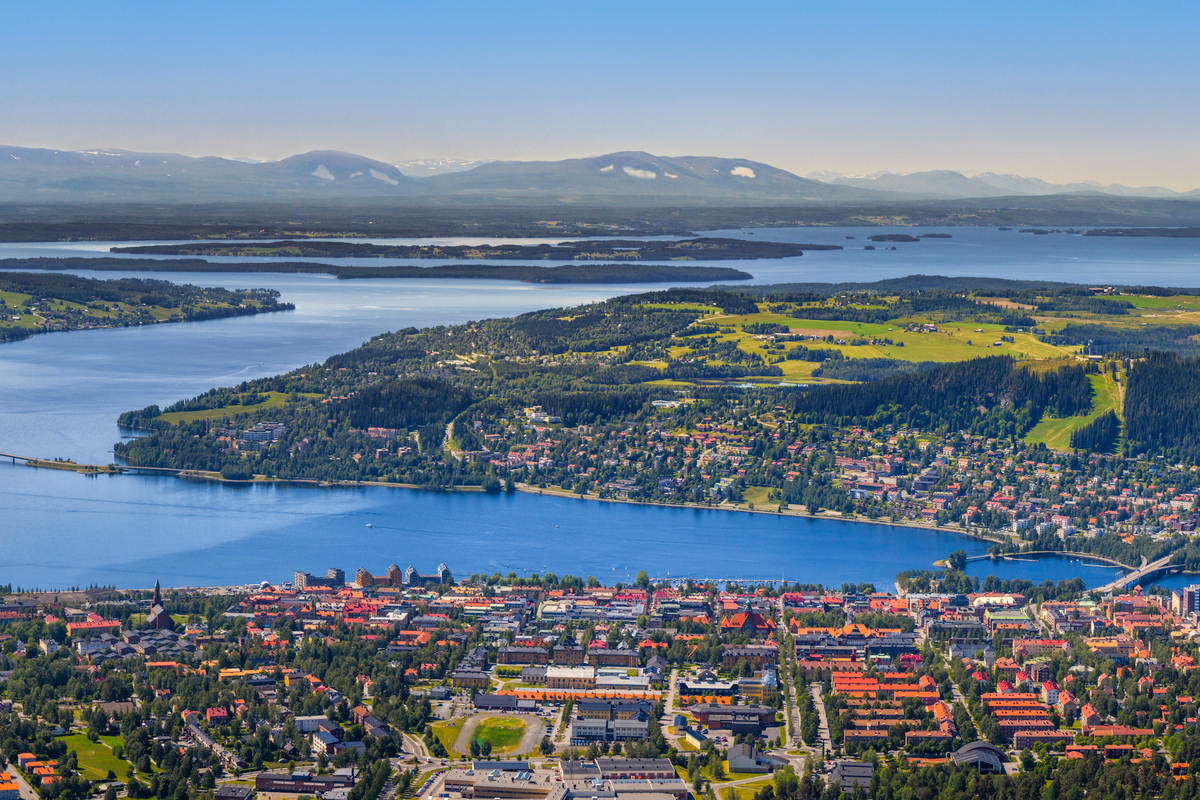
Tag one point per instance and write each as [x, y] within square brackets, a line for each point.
[748, 621]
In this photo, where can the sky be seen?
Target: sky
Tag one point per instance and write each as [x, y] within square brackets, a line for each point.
[1060, 91]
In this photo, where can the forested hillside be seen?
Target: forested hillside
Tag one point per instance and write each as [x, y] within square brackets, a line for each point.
[1162, 407]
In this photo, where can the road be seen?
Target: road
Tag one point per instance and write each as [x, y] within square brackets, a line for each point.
[1135, 577]
[26, 791]
[814, 689]
[793, 709]
[669, 710]
[960, 698]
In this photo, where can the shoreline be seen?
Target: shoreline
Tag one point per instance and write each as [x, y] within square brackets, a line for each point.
[93, 470]
[561, 493]
[215, 477]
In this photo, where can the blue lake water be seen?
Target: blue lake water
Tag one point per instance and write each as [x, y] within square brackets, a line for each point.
[60, 395]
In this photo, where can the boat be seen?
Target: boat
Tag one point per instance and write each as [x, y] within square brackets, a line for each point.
[369, 525]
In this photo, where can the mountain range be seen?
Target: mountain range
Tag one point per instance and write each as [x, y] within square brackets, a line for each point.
[943, 183]
[61, 176]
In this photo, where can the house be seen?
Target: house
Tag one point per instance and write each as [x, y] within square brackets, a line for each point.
[1067, 704]
[228, 792]
[848, 773]
[1089, 716]
[217, 716]
[1050, 693]
[747, 758]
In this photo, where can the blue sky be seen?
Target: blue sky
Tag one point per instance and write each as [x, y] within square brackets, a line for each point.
[1066, 91]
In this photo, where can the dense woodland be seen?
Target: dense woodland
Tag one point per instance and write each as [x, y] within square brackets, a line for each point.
[68, 302]
[569, 273]
[707, 248]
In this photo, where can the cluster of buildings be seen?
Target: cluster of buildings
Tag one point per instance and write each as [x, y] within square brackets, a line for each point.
[602, 779]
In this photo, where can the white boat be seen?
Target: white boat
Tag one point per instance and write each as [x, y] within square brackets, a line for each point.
[369, 525]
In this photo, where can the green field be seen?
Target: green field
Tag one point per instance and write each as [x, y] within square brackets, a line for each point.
[96, 760]
[1056, 433]
[276, 400]
[447, 733]
[759, 496]
[504, 734]
[954, 341]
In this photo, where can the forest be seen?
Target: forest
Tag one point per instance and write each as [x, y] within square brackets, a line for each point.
[565, 274]
[707, 248]
[42, 302]
[950, 396]
[1162, 407]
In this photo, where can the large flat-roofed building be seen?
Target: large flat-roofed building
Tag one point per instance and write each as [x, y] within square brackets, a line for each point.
[507, 785]
[302, 782]
[570, 678]
[739, 719]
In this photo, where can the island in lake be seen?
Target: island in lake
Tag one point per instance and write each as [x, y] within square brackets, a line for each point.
[40, 303]
[567, 273]
[702, 248]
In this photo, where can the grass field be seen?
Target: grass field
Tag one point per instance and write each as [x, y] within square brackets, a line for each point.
[955, 341]
[746, 791]
[276, 400]
[96, 760]
[447, 732]
[758, 495]
[504, 734]
[1056, 433]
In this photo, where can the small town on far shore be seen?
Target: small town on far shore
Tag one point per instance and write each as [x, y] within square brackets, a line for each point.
[402, 685]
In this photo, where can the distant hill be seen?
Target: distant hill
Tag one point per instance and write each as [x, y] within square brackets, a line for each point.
[427, 167]
[28, 174]
[636, 174]
[38, 175]
[938, 184]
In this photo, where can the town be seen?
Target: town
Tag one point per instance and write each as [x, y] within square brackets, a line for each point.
[404, 684]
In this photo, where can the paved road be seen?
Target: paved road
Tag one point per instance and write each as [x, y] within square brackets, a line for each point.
[1135, 577]
[826, 740]
[669, 710]
[26, 791]
[793, 709]
[960, 698]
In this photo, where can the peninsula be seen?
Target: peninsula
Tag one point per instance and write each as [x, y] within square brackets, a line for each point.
[40, 303]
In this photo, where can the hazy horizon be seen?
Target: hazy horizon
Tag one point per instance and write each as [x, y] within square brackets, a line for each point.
[1066, 94]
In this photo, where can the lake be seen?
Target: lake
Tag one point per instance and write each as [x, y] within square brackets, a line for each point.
[61, 394]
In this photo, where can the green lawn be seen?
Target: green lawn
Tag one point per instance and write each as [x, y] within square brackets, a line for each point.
[95, 760]
[447, 733]
[276, 400]
[746, 791]
[758, 495]
[504, 734]
[1056, 433]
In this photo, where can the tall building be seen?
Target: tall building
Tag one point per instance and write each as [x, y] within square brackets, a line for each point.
[1186, 600]
[334, 578]
[159, 619]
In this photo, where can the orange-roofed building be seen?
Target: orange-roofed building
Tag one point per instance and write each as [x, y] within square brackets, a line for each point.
[749, 621]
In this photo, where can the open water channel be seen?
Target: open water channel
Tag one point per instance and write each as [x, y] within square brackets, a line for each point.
[60, 395]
